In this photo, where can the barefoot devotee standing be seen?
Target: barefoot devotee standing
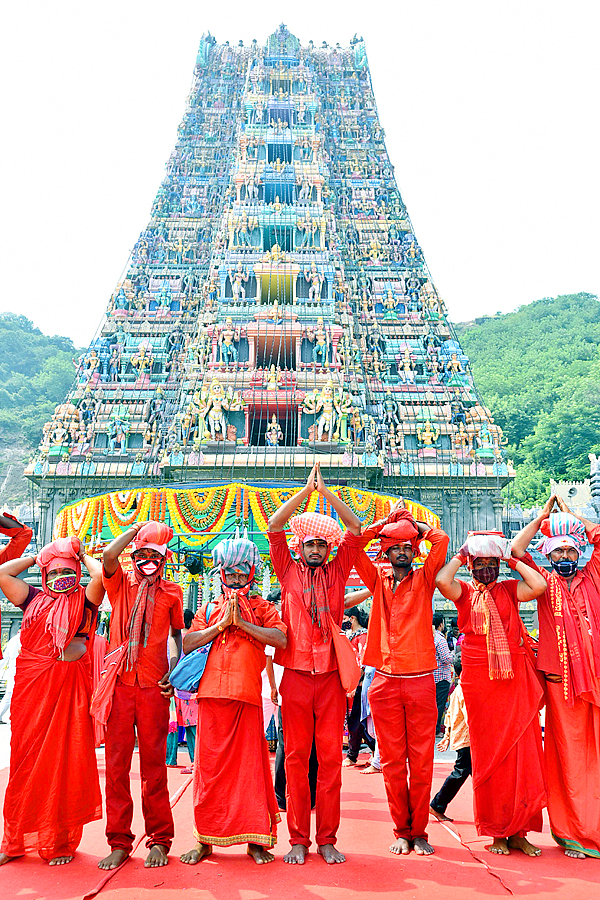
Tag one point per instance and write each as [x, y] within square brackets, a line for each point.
[234, 798]
[401, 648]
[133, 695]
[53, 788]
[502, 693]
[569, 658]
[313, 701]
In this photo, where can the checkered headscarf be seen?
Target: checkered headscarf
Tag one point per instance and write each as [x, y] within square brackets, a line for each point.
[311, 526]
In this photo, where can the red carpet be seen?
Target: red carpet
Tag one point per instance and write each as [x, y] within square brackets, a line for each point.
[370, 871]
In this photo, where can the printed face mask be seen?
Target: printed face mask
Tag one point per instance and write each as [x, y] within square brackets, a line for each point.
[147, 567]
[60, 584]
[487, 574]
[565, 567]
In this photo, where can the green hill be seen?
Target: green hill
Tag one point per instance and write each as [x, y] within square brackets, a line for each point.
[36, 372]
[538, 370]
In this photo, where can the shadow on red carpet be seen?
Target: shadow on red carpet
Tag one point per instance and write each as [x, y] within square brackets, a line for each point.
[371, 871]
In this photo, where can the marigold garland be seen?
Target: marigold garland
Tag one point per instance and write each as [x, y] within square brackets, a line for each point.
[197, 515]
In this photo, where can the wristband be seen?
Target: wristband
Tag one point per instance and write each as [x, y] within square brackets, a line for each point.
[512, 563]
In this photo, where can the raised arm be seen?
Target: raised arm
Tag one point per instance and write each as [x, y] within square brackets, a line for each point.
[446, 581]
[110, 557]
[525, 536]
[95, 589]
[589, 526]
[14, 588]
[356, 597]
[279, 519]
[350, 519]
[533, 584]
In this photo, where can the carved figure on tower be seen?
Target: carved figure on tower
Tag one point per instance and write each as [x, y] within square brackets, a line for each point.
[274, 434]
[227, 351]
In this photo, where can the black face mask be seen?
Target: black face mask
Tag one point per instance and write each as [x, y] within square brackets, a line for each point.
[487, 574]
[346, 626]
[565, 567]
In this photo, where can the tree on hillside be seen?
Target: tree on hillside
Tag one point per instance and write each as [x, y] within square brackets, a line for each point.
[538, 370]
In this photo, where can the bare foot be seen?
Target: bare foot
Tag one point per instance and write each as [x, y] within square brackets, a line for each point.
[574, 854]
[113, 860]
[60, 860]
[349, 762]
[521, 843]
[400, 846]
[157, 856]
[422, 848]
[499, 846]
[193, 856]
[4, 858]
[330, 854]
[440, 816]
[296, 855]
[259, 854]
[370, 770]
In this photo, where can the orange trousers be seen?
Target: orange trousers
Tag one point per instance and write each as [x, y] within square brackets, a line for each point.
[145, 711]
[313, 706]
[404, 715]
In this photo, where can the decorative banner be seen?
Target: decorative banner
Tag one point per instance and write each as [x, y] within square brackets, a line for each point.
[198, 515]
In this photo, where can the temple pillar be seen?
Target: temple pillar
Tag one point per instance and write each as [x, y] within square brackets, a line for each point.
[498, 505]
[474, 503]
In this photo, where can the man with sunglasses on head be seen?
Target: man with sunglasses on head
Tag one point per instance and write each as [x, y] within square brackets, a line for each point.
[133, 696]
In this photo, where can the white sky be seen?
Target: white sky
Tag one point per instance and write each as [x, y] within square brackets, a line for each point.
[490, 110]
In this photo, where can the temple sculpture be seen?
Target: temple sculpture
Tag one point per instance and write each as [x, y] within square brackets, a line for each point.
[277, 305]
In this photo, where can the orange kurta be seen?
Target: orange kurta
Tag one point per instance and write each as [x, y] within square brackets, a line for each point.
[53, 787]
[234, 798]
[402, 695]
[400, 638]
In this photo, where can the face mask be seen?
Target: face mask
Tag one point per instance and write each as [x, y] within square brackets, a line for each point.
[147, 567]
[487, 574]
[346, 626]
[565, 567]
[60, 584]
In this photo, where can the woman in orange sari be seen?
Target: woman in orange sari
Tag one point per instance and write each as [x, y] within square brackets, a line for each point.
[53, 787]
[501, 690]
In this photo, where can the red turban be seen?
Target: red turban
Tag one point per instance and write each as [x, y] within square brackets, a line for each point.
[155, 535]
[60, 554]
[401, 530]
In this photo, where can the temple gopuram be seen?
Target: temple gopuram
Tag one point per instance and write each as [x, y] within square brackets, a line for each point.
[276, 309]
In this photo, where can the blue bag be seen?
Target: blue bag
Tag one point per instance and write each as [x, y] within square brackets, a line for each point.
[189, 670]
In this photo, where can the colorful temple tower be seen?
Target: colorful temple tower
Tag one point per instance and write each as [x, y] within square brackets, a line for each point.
[277, 308]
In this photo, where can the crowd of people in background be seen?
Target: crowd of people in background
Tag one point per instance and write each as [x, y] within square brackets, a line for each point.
[309, 655]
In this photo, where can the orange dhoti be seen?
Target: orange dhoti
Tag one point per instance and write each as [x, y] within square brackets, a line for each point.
[53, 787]
[572, 758]
[506, 744]
[234, 798]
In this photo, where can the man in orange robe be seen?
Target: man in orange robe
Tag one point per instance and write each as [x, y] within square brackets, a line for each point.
[569, 658]
[234, 798]
[501, 690]
[53, 787]
[400, 646]
[313, 701]
[133, 695]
